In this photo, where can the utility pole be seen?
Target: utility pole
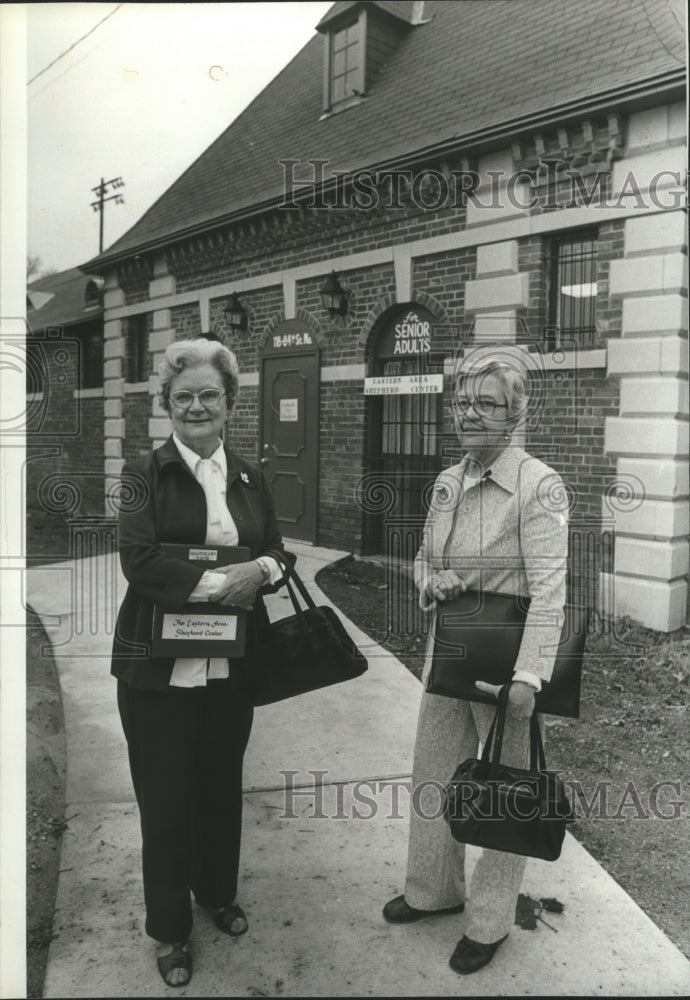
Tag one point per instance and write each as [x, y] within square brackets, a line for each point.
[99, 205]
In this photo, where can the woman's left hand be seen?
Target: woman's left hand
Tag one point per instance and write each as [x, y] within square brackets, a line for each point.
[242, 580]
[520, 697]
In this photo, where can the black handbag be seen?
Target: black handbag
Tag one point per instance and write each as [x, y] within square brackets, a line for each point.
[305, 651]
[504, 808]
[477, 638]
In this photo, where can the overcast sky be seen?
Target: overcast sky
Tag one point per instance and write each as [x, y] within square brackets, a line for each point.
[140, 98]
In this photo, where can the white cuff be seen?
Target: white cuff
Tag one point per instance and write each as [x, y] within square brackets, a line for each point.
[276, 570]
[528, 678]
[209, 583]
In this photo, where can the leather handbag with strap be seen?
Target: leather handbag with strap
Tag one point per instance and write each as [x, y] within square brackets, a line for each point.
[307, 650]
[478, 636]
[503, 808]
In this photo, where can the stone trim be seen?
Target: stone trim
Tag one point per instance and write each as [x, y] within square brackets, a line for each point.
[303, 316]
[343, 373]
[96, 393]
[649, 500]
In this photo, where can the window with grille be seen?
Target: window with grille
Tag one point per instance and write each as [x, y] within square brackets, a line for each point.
[346, 63]
[404, 449]
[573, 289]
[137, 336]
[409, 424]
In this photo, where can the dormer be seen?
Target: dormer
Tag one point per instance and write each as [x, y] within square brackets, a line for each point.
[93, 293]
[359, 39]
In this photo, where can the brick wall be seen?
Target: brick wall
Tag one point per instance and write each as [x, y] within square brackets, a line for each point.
[443, 277]
[186, 321]
[569, 436]
[341, 449]
[262, 305]
[64, 461]
[320, 234]
[242, 433]
[136, 410]
[610, 246]
[532, 258]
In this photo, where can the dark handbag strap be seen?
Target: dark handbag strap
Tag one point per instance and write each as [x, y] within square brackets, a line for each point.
[491, 752]
[288, 573]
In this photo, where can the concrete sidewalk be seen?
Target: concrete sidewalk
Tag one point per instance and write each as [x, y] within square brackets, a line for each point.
[319, 858]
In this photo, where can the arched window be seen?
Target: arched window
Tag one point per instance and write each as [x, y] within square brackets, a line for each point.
[93, 294]
[405, 419]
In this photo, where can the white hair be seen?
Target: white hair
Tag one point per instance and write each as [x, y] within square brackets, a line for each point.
[188, 353]
[513, 379]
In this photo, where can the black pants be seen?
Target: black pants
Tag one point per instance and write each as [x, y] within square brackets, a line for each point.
[186, 748]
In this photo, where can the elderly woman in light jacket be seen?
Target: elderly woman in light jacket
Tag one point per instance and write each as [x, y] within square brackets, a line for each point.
[495, 524]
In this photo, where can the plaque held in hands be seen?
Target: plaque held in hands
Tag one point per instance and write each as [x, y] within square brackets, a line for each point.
[201, 628]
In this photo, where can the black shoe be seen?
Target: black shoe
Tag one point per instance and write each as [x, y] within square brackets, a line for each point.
[397, 911]
[471, 955]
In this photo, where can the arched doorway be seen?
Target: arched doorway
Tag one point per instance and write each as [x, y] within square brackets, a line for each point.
[404, 391]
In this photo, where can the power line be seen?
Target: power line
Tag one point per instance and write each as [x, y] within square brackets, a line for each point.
[68, 69]
[74, 45]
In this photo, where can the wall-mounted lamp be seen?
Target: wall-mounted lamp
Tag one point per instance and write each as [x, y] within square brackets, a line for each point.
[236, 315]
[334, 296]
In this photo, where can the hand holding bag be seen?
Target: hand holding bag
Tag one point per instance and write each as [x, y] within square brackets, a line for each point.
[305, 651]
[508, 808]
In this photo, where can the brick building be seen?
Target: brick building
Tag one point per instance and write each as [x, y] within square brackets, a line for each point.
[508, 173]
[64, 407]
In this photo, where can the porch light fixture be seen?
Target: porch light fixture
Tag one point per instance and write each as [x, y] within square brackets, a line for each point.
[334, 296]
[235, 314]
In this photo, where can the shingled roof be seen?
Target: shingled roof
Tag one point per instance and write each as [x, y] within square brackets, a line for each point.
[60, 299]
[474, 68]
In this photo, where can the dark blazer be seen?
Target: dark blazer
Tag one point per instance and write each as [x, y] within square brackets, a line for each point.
[161, 501]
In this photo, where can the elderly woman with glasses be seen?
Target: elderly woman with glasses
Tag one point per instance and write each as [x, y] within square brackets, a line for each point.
[187, 720]
[495, 527]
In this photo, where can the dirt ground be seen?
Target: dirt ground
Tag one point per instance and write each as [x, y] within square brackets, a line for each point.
[45, 800]
[628, 754]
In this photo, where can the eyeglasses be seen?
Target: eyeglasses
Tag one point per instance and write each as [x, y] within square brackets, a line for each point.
[481, 406]
[209, 398]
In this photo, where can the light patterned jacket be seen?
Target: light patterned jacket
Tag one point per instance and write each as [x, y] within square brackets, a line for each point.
[509, 534]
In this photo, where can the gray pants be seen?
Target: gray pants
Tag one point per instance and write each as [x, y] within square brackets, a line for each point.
[449, 731]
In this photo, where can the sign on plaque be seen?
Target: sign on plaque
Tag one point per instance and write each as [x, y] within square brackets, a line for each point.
[195, 626]
[289, 410]
[200, 629]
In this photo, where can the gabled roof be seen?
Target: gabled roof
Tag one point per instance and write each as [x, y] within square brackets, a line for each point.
[475, 68]
[402, 9]
[60, 300]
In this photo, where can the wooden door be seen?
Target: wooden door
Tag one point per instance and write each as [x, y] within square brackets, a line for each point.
[290, 423]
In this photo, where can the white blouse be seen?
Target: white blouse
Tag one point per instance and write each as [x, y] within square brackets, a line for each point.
[212, 474]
